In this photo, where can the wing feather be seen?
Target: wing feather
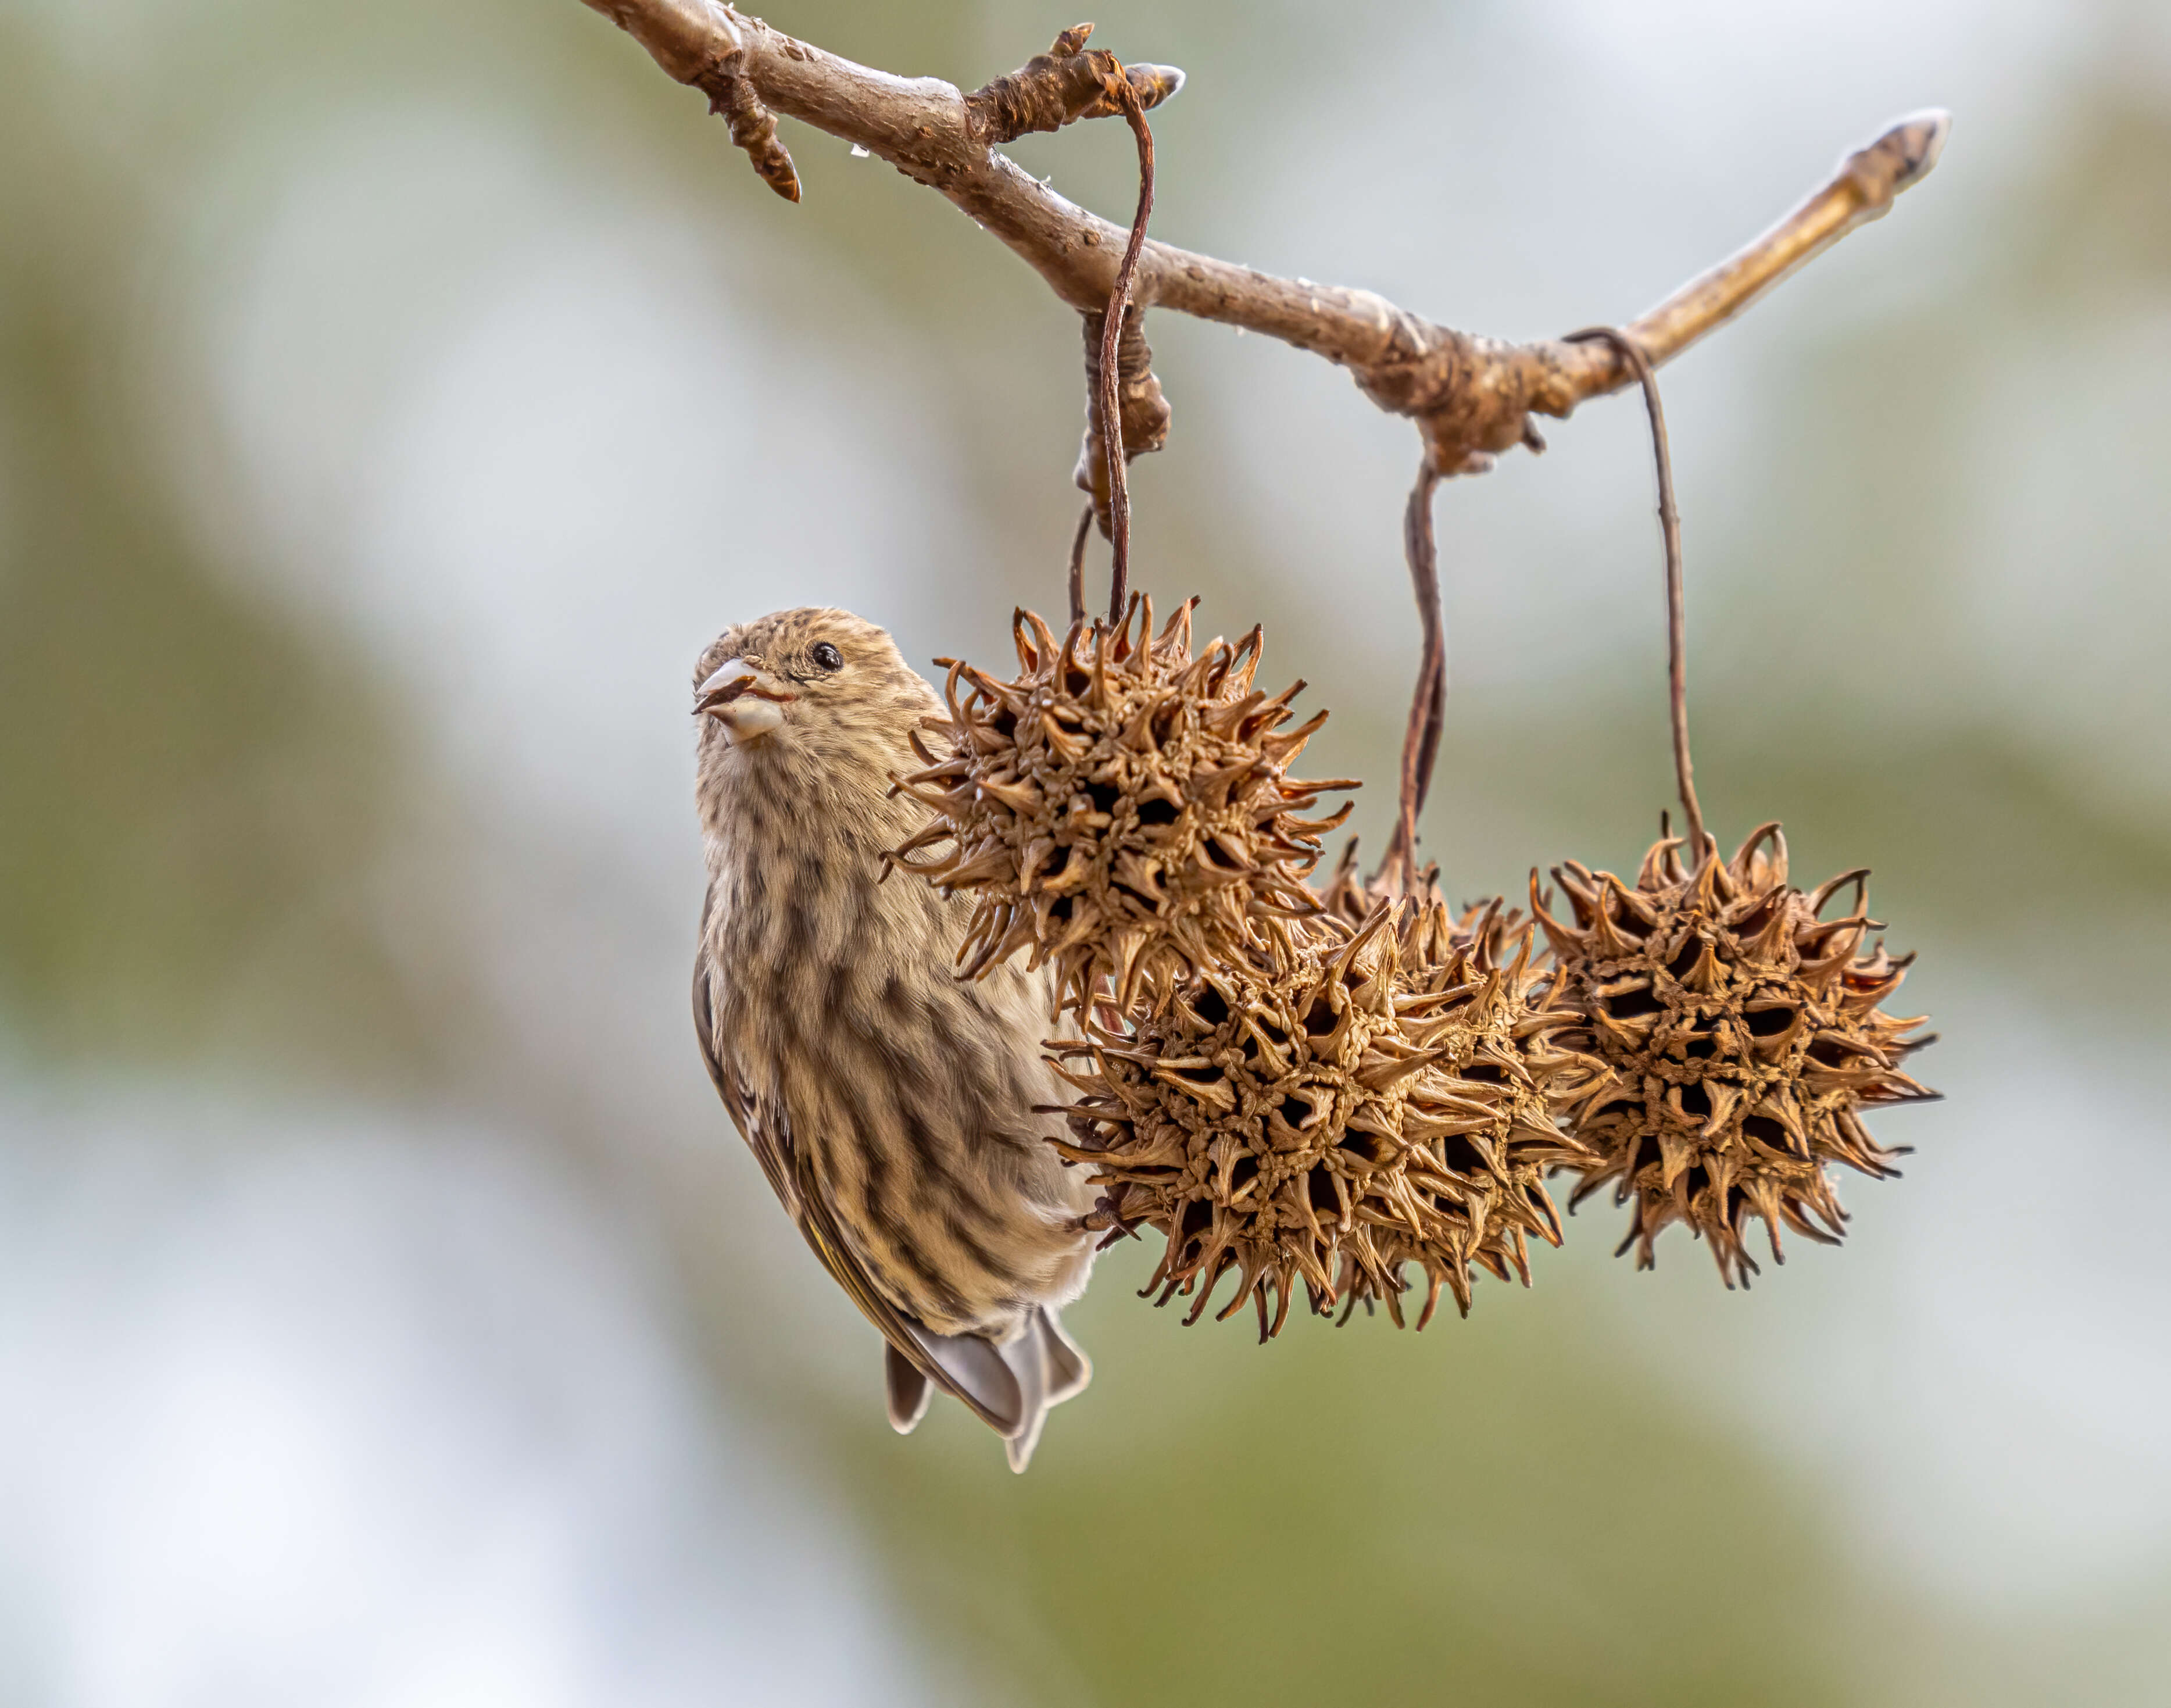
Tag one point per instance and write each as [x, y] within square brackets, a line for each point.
[768, 1135]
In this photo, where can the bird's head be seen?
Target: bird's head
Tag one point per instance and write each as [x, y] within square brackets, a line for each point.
[813, 685]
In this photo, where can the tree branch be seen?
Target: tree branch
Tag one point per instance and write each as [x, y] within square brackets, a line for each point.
[1471, 397]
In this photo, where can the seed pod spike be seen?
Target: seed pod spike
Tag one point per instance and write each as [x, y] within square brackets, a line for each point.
[1859, 877]
[1069, 661]
[1140, 651]
[1564, 940]
[1099, 695]
[1606, 941]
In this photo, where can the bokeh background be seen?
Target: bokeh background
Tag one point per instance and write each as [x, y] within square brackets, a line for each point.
[395, 399]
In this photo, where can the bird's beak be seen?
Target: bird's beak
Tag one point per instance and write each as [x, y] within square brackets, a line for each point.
[747, 701]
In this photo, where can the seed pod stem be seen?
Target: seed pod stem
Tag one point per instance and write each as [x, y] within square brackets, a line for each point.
[1670, 527]
[1429, 704]
[1119, 494]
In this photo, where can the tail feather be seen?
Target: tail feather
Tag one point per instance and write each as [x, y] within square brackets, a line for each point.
[1028, 1358]
[1066, 1359]
[973, 1366]
[909, 1390]
[1015, 1383]
[1050, 1368]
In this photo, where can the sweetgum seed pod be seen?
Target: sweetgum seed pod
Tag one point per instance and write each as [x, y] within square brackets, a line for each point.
[1742, 1043]
[1328, 1110]
[1121, 809]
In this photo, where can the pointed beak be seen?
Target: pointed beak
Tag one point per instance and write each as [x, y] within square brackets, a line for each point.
[744, 699]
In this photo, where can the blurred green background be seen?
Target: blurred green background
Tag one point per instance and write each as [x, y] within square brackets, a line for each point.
[393, 401]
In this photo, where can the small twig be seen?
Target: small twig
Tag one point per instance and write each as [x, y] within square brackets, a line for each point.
[1066, 83]
[754, 128]
[1119, 490]
[1669, 529]
[1078, 564]
[1473, 397]
[1429, 703]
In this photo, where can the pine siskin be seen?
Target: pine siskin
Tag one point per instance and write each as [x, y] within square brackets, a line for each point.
[891, 1104]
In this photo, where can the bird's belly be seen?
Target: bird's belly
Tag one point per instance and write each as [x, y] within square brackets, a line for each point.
[978, 1262]
[966, 1231]
[917, 1121]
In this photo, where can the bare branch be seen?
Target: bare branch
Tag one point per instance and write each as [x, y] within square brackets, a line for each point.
[1471, 397]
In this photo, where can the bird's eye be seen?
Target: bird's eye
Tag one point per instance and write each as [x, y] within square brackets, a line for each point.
[829, 657]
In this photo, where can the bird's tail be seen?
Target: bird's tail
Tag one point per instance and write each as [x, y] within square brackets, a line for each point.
[1014, 1385]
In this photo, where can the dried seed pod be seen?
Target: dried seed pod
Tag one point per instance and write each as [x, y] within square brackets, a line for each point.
[1307, 1112]
[1497, 1020]
[1122, 809]
[1742, 1040]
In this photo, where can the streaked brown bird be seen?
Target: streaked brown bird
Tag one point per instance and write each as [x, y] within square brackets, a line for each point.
[891, 1104]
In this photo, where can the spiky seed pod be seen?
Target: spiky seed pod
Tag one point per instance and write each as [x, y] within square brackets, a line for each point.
[1496, 1017]
[1742, 1039]
[1122, 809]
[1297, 1114]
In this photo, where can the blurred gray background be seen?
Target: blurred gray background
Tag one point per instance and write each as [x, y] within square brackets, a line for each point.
[393, 399]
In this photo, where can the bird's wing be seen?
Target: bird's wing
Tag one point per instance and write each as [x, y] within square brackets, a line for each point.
[963, 1365]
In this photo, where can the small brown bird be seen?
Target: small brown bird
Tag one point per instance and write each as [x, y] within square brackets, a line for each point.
[891, 1104]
